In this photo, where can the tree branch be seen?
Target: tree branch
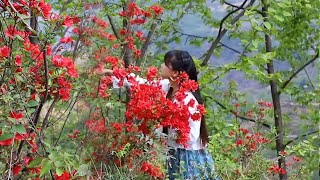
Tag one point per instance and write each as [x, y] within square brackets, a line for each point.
[114, 29]
[235, 6]
[241, 55]
[205, 37]
[147, 42]
[46, 119]
[235, 113]
[303, 135]
[222, 31]
[298, 70]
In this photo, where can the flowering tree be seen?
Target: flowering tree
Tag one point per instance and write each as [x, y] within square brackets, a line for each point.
[60, 119]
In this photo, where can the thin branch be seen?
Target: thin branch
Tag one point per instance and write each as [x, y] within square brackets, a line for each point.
[205, 37]
[229, 14]
[46, 119]
[235, 113]
[66, 119]
[235, 6]
[241, 55]
[303, 135]
[54, 49]
[232, 5]
[114, 29]
[298, 70]
[306, 72]
[148, 40]
[222, 31]
[232, 49]
[46, 71]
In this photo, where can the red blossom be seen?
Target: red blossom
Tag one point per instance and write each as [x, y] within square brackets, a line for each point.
[6, 142]
[26, 160]
[19, 136]
[244, 131]
[151, 73]
[96, 126]
[16, 170]
[18, 60]
[16, 115]
[237, 105]
[196, 116]
[297, 159]
[45, 9]
[66, 40]
[67, 21]
[266, 104]
[239, 142]
[277, 169]
[158, 10]
[231, 133]
[4, 51]
[137, 53]
[64, 176]
[100, 22]
[139, 34]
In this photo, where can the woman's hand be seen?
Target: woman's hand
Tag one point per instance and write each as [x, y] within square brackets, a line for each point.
[108, 72]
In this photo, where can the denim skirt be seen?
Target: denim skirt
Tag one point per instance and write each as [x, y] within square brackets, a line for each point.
[190, 165]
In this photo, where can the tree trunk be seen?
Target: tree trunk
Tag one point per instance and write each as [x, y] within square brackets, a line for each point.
[276, 101]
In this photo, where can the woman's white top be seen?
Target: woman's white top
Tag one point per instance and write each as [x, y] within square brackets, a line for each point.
[194, 142]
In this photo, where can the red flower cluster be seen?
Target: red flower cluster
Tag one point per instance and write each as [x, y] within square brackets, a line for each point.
[74, 134]
[65, 87]
[69, 21]
[64, 176]
[152, 170]
[249, 141]
[4, 52]
[100, 22]
[277, 169]
[29, 137]
[149, 105]
[97, 126]
[152, 73]
[266, 104]
[138, 15]
[39, 7]
[105, 82]
[66, 40]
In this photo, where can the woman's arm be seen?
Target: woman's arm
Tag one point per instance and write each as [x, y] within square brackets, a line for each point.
[165, 83]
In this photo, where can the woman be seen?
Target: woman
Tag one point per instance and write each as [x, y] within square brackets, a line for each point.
[193, 161]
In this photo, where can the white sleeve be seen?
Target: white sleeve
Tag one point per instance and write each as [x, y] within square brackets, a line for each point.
[126, 83]
[193, 124]
[165, 83]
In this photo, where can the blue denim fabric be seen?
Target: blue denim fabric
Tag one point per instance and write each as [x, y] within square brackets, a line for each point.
[190, 165]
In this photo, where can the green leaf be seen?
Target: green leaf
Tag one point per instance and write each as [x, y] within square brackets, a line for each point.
[36, 162]
[279, 18]
[59, 171]
[46, 166]
[6, 136]
[19, 78]
[267, 25]
[19, 129]
[285, 13]
[32, 103]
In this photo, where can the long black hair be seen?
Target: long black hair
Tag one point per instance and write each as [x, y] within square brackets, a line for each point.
[181, 61]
